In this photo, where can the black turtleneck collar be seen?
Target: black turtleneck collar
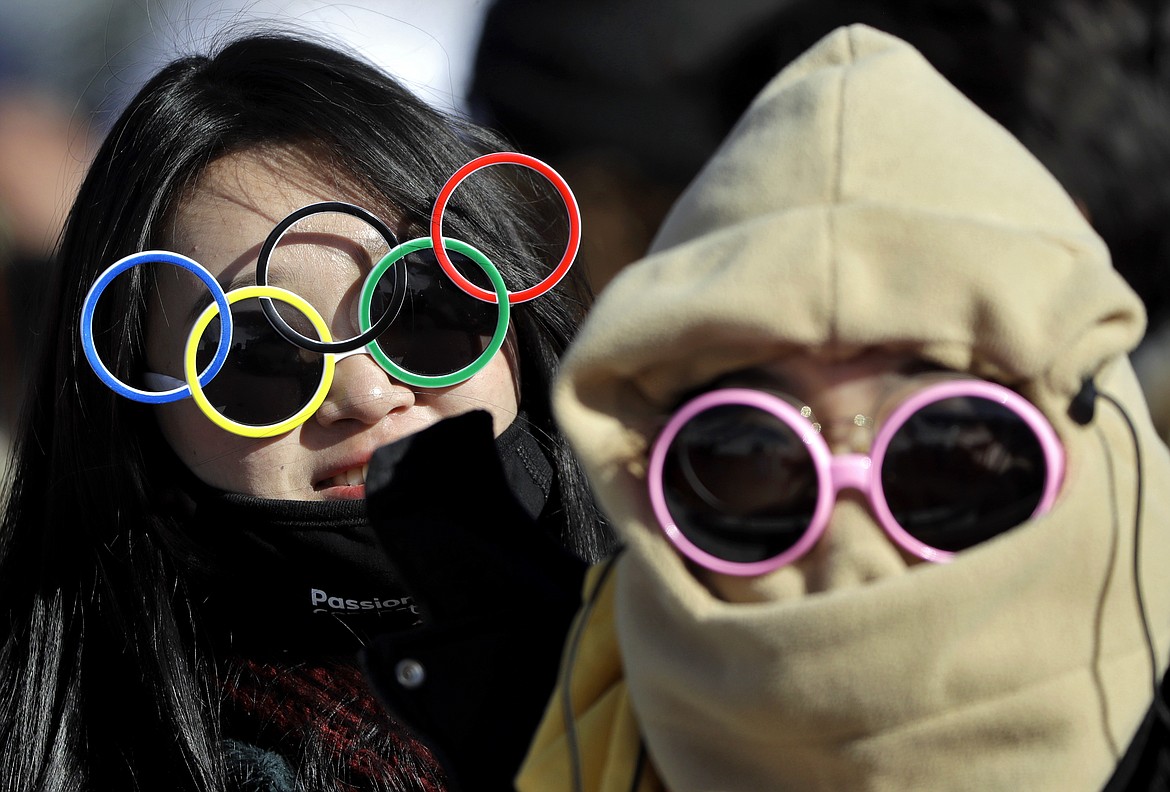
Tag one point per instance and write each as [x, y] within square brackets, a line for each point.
[284, 577]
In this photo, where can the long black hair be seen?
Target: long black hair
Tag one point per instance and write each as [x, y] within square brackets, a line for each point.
[102, 682]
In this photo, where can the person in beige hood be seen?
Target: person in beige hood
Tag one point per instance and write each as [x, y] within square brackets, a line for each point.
[866, 235]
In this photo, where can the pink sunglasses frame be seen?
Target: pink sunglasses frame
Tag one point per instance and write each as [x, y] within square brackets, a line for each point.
[844, 471]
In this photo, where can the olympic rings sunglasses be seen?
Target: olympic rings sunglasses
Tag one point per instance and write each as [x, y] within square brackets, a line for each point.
[742, 483]
[433, 329]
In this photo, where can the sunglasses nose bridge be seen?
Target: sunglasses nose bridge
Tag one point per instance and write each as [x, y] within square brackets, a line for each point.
[340, 356]
[366, 350]
[850, 471]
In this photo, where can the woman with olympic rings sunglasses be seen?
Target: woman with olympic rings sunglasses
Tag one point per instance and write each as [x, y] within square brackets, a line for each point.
[290, 510]
[892, 505]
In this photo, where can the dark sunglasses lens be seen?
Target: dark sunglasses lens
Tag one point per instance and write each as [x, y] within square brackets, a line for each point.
[439, 328]
[265, 379]
[963, 470]
[739, 483]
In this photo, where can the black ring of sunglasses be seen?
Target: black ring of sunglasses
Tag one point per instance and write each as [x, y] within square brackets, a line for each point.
[274, 317]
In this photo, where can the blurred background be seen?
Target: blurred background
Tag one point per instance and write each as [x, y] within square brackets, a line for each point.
[626, 98]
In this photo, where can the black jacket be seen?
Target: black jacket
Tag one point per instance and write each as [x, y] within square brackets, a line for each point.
[1145, 767]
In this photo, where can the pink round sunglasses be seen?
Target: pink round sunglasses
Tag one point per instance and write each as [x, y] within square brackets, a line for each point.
[705, 515]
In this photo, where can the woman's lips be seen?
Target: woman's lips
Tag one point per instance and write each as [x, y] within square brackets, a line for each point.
[349, 483]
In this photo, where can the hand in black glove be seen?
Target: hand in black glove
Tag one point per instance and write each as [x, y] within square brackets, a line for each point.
[496, 591]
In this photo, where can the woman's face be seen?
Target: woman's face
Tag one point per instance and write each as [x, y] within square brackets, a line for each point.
[221, 224]
[854, 549]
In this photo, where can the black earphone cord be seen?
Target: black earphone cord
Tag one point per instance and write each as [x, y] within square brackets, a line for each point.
[570, 721]
[1159, 702]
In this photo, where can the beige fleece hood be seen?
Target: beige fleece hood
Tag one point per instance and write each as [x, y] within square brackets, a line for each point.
[863, 203]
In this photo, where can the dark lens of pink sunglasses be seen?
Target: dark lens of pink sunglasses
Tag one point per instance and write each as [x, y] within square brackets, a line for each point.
[961, 471]
[741, 484]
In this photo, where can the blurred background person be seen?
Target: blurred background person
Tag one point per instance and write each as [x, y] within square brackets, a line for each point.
[627, 98]
[51, 52]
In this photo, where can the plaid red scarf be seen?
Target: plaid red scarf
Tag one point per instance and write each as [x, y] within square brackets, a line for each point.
[326, 715]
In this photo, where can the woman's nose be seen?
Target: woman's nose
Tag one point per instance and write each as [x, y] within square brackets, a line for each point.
[363, 391]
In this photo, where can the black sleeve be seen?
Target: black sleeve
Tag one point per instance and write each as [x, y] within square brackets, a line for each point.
[1145, 767]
